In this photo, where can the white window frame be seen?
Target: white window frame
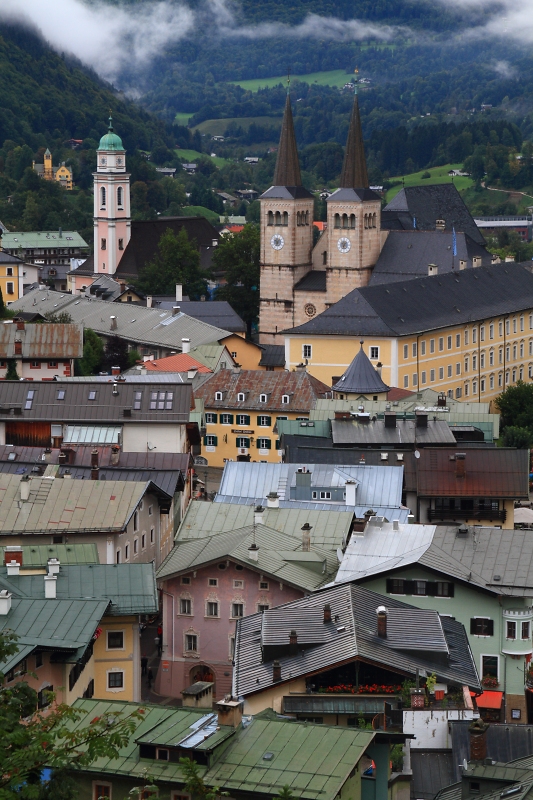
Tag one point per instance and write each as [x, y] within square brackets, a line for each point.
[115, 689]
[488, 655]
[307, 351]
[218, 395]
[184, 613]
[373, 352]
[263, 398]
[285, 399]
[241, 397]
[197, 637]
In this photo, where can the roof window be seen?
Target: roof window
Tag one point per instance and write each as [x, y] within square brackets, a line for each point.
[92, 395]
[137, 397]
[218, 395]
[285, 399]
[241, 397]
[60, 394]
[262, 398]
[161, 401]
[29, 399]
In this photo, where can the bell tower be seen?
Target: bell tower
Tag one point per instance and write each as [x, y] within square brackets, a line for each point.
[354, 219]
[286, 237]
[112, 218]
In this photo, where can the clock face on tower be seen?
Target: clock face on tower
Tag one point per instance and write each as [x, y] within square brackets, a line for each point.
[103, 160]
[119, 160]
[277, 241]
[343, 244]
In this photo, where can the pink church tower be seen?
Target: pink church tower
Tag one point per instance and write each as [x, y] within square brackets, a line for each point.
[112, 216]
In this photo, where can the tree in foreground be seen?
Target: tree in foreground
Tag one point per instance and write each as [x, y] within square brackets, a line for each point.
[36, 739]
[237, 256]
[194, 783]
[515, 405]
[177, 260]
[93, 354]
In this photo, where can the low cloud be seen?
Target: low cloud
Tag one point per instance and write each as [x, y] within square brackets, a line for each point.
[511, 20]
[504, 69]
[316, 27]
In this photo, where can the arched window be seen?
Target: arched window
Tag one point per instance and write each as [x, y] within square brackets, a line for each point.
[298, 218]
[285, 218]
[337, 223]
[102, 196]
[373, 220]
[119, 196]
[345, 220]
[352, 220]
[278, 218]
[270, 218]
[307, 217]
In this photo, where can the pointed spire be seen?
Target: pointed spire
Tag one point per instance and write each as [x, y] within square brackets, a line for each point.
[110, 126]
[361, 377]
[354, 173]
[287, 171]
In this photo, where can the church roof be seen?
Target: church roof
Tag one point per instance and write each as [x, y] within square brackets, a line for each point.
[361, 377]
[354, 173]
[111, 141]
[287, 171]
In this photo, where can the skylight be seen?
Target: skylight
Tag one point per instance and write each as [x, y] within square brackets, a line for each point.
[92, 395]
[29, 399]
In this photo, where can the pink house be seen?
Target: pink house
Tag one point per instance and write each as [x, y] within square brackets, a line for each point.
[209, 583]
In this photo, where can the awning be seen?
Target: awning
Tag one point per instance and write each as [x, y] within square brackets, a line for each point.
[489, 699]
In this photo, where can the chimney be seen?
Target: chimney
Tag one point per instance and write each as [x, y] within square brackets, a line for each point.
[122, 286]
[13, 552]
[94, 459]
[440, 224]
[327, 613]
[229, 711]
[115, 455]
[390, 419]
[47, 455]
[185, 345]
[115, 370]
[379, 367]
[62, 458]
[5, 603]
[25, 488]
[13, 567]
[306, 537]
[293, 643]
[113, 323]
[276, 666]
[53, 566]
[494, 260]
[421, 419]
[258, 515]
[20, 324]
[50, 587]
[350, 489]
[395, 525]
[191, 373]
[441, 400]
[303, 477]
[149, 301]
[236, 369]
[476, 261]
[381, 611]
[433, 269]
[300, 368]
[253, 552]
[460, 465]
[175, 311]
[273, 500]
[478, 740]
[508, 259]
[18, 347]
[179, 293]
[462, 264]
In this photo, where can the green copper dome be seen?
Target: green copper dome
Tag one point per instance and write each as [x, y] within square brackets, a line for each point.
[111, 141]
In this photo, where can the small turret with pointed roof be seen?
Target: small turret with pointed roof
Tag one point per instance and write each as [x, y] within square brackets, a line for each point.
[354, 172]
[361, 378]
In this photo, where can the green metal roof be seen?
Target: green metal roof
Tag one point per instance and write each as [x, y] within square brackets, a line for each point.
[330, 528]
[39, 239]
[110, 141]
[37, 555]
[130, 588]
[320, 427]
[208, 354]
[279, 555]
[314, 760]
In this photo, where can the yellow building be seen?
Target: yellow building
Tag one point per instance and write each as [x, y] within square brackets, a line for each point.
[250, 355]
[467, 333]
[243, 406]
[48, 172]
[14, 276]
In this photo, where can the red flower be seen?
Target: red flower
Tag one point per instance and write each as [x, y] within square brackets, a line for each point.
[96, 719]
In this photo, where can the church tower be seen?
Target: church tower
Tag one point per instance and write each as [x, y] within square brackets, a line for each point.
[112, 220]
[286, 237]
[48, 173]
[354, 220]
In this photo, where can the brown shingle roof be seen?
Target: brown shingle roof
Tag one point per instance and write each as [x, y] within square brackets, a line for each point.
[499, 472]
[47, 340]
[303, 390]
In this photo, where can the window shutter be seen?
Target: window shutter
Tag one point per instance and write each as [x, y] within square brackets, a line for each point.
[389, 585]
[214, 417]
[489, 627]
[278, 444]
[473, 626]
[205, 440]
[215, 441]
[409, 587]
[247, 419]
[247, 442]
[269, 421]
[268, 444]
[431, 588]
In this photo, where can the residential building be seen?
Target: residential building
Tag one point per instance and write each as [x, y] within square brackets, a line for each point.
[242, 407]
[148, 330]
[15, 275]
[107, 663]
[210, 583]
[468, 334]
[40, 352]
[50, 252]
[61, 174]
[479, 576]
[492, 226]
[346, 637]
[248, 759]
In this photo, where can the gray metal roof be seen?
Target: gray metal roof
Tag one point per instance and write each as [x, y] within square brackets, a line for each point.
[388, 512]
[42, 341]
[378, 486]
[405, 433]
[432, 771]
[506, 744]
[136, 324]
[361, 377]
[351, 634]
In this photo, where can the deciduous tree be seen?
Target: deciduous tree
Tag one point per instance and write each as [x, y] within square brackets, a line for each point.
[237, 256]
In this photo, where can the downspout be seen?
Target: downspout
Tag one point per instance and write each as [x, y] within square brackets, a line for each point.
[479, 363]
[417, 364]
[163, 591]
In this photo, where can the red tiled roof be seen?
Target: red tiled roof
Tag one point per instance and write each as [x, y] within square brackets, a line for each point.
[320, 225]
[181, 362]
[489, 472]
[235, 228]
[303, 390]
[395, 393]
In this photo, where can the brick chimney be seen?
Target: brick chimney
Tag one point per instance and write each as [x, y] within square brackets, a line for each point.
[390, 419]
[13, 552]
[381, 611]
[478, 740]
[460, 465]
[95, 469]
[18, 347]
[115, 370]
[276, 670]
[327, 613]
[20, 324]
[293, 643]
[115, 455]
[229, 712]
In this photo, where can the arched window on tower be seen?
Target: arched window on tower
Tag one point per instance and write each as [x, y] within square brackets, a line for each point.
[352, 220]
[366, 220]
[337, 222]
[345, 220]
[120, 194]
[307, 217]
[373, 220]
[278, 218]
[270, 218]
[102, 196]
[285, 218]
[298, 218]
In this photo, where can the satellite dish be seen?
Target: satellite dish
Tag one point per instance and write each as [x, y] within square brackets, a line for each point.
[417, 453]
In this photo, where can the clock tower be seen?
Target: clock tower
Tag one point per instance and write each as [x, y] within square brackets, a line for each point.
[354, 220]
[286, 237]
[112, 218]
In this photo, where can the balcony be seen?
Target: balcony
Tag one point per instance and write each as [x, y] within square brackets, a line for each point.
[471, 514]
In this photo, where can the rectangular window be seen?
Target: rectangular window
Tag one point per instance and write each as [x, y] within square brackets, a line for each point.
[237, 610]
[52, 365]
[210, 440]
[92, 395]
[491, 358]
[306, 351]
[450, 370]
[103, 244]
[152, 535]
[10, 287]
[514, 325]
[458, 392]
[491, 330]
[432, 345]
[491, 381]
[264, 585]
[415, 379]
[263, 421]
[414, 349]
[115, 680]
[406, 351]
[474, 362]
[489, 666]
[441, 343]
[191, 643]
[226, 419]
[458, 340]
[525, 630]
[212, 581]
[395, 586]
[423, 377]
[121, 244]
[238, 584]
[474, 335]
[441, 373]
[264, 444]
[431, 375]
[242, 441]
[500, 355]
[29, 399]
[374, 352]
[38, 659]
[482, 385]
[143, 541]
[185, 606]
[243, 419]
[510, 630]
[458, 368]
[422, 348]
[210, 418]
[406, 381]
[35, 365]
[115, 640]
[212, 610]
[507, 327]
[466, 337]
[482, 333]
[482, 360]
[102, 791]
[482, 626]
[325, 495]
[262, 608]
[161, 401]
[186, 581]
[137, 397]
[449, 342]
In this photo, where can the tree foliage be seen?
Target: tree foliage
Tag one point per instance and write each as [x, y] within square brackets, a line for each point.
[177, 260]
[93, 354]
[115, 354]
[194, 783]
[63, 317]
[515, 405]
[514, 436]
[237, 256]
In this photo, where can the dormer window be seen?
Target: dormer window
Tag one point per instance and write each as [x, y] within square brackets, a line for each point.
[285, 399]
[218, 395]
[241, 397]
[262, 398]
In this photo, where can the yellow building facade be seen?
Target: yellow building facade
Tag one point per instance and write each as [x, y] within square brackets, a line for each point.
[14, 274]
[48, 172]
[117, 659]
